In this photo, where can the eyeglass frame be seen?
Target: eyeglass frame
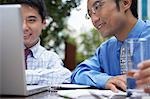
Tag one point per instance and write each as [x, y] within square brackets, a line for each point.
[96, 7]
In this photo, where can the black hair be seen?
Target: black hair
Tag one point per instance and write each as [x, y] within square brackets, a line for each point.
[133, 7]
[37, 4]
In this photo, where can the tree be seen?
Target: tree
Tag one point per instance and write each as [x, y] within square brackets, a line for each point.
[58, 12]
[88, 44]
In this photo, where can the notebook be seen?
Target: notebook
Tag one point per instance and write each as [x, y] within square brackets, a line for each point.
[0, 49]
[13, 80]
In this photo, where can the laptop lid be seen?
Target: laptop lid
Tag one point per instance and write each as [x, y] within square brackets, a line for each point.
[13, 80]
[12, 55]
[0, 49]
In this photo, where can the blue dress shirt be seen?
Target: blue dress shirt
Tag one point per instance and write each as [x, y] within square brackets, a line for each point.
[105, 63]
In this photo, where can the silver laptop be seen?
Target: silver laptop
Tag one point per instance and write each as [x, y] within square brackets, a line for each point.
[12, 65]
[0, 49]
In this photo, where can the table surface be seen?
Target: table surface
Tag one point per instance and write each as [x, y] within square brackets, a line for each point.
[54, 95]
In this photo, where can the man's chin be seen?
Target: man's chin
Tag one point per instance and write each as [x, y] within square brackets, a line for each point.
[105, 35]
[27, 43]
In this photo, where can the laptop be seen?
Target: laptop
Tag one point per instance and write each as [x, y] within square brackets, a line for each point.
[12, 64]
[0, 49]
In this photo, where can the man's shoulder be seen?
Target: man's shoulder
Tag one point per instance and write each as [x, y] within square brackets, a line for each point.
[146, 29]
[107, 44]
[111, 40]
[147, 22]
[47, 52]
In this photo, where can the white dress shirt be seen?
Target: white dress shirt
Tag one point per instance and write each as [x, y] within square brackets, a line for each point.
[45, 67]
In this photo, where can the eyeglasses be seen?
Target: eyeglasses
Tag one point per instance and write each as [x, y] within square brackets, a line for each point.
[97, 6]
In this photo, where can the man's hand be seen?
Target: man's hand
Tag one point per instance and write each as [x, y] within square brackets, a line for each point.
[116, 82]
[143, 75]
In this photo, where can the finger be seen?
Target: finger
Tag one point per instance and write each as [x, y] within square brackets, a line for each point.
[142, 81]
[121, 84]
[147, 90]
[137, 75]
[144, 64]
[123, 79]
[120, 78]
[144, 72]
[112, 87]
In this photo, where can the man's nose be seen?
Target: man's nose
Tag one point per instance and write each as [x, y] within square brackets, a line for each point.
[25, 25]
[94, 18]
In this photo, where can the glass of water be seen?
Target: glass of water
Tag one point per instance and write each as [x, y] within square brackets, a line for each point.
[137, 50]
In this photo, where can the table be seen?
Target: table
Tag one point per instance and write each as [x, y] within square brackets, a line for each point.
[54, 95]
[43, 95]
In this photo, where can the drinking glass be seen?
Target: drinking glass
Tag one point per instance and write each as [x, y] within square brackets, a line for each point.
[137, 50]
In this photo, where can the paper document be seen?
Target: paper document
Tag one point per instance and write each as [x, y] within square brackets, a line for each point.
[69, 86]
[88, 92]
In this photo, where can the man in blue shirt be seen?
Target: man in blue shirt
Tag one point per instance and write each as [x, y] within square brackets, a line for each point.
[116, 18]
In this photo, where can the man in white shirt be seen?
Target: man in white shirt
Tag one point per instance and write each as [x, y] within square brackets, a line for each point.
[43, 66]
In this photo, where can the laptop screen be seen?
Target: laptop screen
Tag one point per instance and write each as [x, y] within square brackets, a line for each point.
[0, 47]
[12, 53]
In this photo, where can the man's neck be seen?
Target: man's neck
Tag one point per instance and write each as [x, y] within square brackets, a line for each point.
[122, 35]
[31, 45]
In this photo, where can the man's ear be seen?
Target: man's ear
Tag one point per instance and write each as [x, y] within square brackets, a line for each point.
[44, 24]
[125, 5]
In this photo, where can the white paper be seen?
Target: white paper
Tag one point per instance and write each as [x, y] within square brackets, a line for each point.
[87, 92]
[74, 86]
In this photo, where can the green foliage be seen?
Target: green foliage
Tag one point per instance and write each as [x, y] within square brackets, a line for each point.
[58, 12]
[89, 42]
[3, 1]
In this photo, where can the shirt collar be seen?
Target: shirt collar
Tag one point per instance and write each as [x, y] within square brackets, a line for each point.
[134, 33]
[137, 29]
[35, 49]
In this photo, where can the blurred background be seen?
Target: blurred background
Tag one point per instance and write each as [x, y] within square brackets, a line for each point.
[71, 34]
